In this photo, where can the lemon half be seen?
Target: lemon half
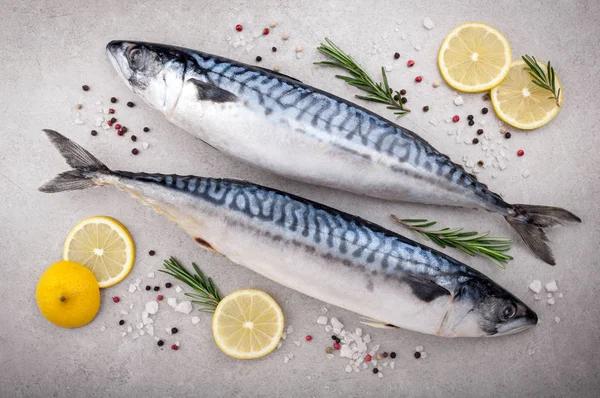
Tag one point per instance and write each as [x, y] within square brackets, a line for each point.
[247, 324]
[103, 245]
[474, 57]
[521, 103]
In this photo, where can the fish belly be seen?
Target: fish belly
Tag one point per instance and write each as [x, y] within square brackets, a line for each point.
[303, 152]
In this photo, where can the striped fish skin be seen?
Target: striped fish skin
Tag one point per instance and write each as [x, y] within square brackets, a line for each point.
[282, 125]
[317, 250]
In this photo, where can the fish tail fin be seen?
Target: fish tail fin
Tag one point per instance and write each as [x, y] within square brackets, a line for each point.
[529, 221]
[85, 166]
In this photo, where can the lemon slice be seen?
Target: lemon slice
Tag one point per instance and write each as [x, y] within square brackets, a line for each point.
[247, 324]
[104, 246]
[522, 104]
[474, 57]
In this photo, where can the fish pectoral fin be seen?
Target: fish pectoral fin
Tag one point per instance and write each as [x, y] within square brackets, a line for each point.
[210, 92]
[377, 324]
[425, 289]
[278, 73]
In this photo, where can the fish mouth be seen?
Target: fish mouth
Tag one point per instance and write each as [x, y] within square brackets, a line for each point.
[116, 51]
[525, 322]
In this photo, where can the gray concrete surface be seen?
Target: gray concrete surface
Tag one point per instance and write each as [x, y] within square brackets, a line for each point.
[49, 49]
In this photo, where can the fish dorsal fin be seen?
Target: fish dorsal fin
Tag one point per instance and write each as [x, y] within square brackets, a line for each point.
[425, 289]
[210, 92]
[277, 73]
[374, 323]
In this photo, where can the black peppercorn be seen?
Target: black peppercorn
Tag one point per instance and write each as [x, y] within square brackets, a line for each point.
[375, 370]
[475, 141]
[480, 131]
[417, 355]
[404, 100]
[130, 104]
[258, 58]
[160, 343]
[484, 110]
[174, 330]
[470, 117]
[113, 99]
[156, 288]
[396, 55]
[471, 122]
[85, 87]
[168, 285]
[148, 288]
[94, 132]
[146, 129]
[402, 92]
[121, 322]
[392, 355]
[425, 108]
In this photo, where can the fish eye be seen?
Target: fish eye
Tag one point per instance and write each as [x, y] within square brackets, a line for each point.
[507, 311]
[136, 58]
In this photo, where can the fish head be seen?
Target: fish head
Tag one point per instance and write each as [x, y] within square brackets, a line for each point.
[481, 308]
[153, 71]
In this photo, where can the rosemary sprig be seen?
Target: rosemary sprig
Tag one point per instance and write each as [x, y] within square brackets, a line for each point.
[545, 80]
[359, 78]
[207, 297]
[473, 243]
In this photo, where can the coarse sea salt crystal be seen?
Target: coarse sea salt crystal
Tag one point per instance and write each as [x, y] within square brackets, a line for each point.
[428, 23]
[346, 351]
[336, 323]
[419, 348]
[423, 354]
[330, 356]
[131, 288]
[418, 47]
[102, 328]
[290, 329]
[549, 295]
[142, 332]
[434, 122]
[388, 68]
[178, 289]
[358, 332]
[131, 306]
[286, 359]
[139, 325]
[124, 312]
[537, 297]
[556, 319]
[403, 36]
[322, 320]
[168, 330]
[297, 343]
[123, 334]
[458, 101]
[324, 311]
[348, 369]
[150, 330]
[380, 375]
[526, 173]
[291, 355]
[284, 335]
[151, 275]
[367, 338]
[494, 175]
[328, 328]
[98, 122]
[172, 302]
[561, 295]
[145, 145]
[78, 121]
[551, 301]
[535, 286]
[152, 307]
[299, 55]
[195, 320]
[551, 286]
[129, 329]
[184, 307]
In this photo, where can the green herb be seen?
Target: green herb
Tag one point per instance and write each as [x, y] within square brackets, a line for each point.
[473, 243]
[207, 297]
[545, 80]
[359, 78]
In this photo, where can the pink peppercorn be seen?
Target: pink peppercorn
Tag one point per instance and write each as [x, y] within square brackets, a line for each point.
[418, 79]
[308, 338]
[239, 27]
[111, 110]
[410, 63]
[110, 123]
[117, 126]
[367, 358]
[116, 299]
[455, 118]
[159, 297]
[520, 152]
[174, 347]
[337, 346]
[266, 31]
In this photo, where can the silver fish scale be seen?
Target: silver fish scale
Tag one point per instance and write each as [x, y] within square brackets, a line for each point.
[364, 132]
[331, 233]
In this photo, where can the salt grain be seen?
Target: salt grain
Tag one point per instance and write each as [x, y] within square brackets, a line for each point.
[129, 329]
[535, 286]
[419, 348]
[195, 320]
[102, 328]
[418, 47]
[348, 369]
[561, 295]
[145, 145]
[297, 343]
[124, 312]
[549, 295]
[184, 307]
[551, 301]
[551, 286]
[428, 23]
[323, 311]
[286, 359]
[458, 101]
[328, 328]
[123, 334]
[131, 288]
[152, 307]
[290, 329]
[556, 319]
[526, 173]
[151, 275]
[537, 297]
[403, 36]
[172, 301]
[178, 289]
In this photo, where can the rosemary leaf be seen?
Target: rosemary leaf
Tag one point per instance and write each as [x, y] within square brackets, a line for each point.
[359, 78]
[472, 243]
[545, 80]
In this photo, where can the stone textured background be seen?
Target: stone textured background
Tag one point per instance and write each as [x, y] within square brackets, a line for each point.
[49, 49]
